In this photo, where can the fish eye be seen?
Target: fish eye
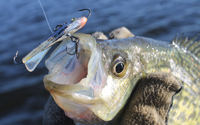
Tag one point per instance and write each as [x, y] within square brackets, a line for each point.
[73, 19]
[119, 65]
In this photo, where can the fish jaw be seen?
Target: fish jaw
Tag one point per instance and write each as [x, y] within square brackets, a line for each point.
[85, 88]
[72, 81]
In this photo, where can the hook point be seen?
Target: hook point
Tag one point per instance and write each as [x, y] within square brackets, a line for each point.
[87, 10]
[14, 59]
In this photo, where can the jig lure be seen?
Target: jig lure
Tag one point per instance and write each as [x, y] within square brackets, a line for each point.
[60, 32]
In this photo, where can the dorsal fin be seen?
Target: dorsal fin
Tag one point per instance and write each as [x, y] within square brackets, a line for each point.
[192, 45]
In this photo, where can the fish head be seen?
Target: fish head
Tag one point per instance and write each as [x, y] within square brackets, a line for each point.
[95, 86]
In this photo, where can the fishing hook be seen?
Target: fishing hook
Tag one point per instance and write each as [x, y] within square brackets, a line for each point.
[14, 59]
[87, 10]
[60, 25]
[76, 41]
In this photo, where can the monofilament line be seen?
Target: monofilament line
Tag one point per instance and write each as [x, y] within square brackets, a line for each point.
[45, 16]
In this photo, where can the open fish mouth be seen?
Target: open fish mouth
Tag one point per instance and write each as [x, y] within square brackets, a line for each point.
[75, 83]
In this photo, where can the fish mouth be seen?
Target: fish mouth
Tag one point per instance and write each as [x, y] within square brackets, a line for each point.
[75, 83]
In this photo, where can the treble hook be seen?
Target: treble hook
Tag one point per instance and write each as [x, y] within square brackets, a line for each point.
[17, 63]
[87, 10]
[76, 41]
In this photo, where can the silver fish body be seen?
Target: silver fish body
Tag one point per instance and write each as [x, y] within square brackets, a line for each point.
[95, 87]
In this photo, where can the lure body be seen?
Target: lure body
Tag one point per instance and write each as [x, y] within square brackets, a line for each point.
[35, 56]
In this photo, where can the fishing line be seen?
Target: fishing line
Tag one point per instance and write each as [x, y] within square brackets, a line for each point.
[45, 16]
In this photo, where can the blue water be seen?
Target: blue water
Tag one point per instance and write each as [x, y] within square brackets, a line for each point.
[23, 27]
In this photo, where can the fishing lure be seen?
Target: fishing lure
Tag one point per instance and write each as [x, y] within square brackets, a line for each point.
[60, 32]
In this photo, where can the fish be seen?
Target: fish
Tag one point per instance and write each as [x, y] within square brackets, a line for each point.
[95, 87]
[61, 32]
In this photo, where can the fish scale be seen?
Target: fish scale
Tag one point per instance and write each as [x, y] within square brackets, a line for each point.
[188, 61]
[186, 104]
[156, 57]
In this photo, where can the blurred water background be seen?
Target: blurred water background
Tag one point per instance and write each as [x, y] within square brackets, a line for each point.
[23, 27]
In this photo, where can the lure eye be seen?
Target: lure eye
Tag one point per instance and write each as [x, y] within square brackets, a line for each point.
[119, 65]
[73, 19]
